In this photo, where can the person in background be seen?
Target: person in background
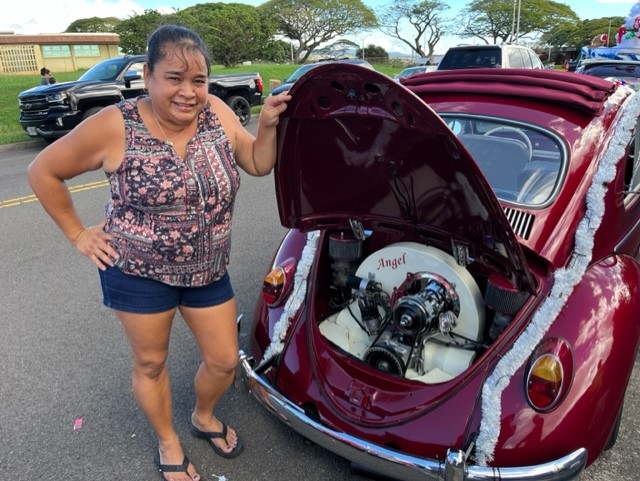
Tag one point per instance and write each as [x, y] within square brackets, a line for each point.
[45, 75]
[172, 158]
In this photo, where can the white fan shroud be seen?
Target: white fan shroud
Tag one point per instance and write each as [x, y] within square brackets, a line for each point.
[389, 266]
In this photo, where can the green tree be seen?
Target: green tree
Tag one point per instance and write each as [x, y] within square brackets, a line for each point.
[372, 51]
[311, 23]
[134, 31]
[273, 50]
[94, 25]
[424, 17]
[234, 32]
[497, 21]
[582, 32]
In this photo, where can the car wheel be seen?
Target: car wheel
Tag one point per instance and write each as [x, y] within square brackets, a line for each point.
[92, 111]
[241, 107]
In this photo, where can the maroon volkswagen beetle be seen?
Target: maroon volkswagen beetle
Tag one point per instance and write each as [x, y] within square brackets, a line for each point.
[457, 296]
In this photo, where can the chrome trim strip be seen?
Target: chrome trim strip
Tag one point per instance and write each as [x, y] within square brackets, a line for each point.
[395, 464]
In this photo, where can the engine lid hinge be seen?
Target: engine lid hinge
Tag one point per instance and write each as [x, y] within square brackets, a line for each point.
[358, 229]
[460, 253]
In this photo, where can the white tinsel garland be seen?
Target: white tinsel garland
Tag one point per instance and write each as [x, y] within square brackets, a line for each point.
[565, 280]
[296, 298]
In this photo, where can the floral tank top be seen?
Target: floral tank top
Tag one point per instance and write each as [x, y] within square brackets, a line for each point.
[171, 218]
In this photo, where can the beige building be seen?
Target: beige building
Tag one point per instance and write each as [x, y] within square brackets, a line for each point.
[59, 52]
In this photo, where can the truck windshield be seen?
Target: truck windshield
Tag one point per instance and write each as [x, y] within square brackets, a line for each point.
[107, 70]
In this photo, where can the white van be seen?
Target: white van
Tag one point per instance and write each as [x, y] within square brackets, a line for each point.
[487, 56]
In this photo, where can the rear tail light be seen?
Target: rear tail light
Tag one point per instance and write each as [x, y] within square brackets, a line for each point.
[545, 381]
[259, 84]
[277, 284]
[549, 374]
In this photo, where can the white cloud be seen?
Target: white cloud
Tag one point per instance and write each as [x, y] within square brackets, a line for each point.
[44, 16]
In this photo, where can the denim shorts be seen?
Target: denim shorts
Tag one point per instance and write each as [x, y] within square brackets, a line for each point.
[141, 295]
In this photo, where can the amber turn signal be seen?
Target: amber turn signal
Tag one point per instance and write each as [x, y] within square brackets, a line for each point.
[277, 284]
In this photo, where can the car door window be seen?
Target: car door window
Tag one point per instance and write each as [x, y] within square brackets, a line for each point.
[136, 68]
[136, 87]
[526, 59]
[535, 60]
[515, 59]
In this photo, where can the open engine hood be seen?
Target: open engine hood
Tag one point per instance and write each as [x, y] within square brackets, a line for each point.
[354, 145]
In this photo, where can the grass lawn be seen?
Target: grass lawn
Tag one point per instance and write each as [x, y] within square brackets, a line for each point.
[12, 85]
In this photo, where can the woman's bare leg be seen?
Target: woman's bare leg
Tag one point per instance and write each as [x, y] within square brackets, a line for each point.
[216, 332]
[148, 336]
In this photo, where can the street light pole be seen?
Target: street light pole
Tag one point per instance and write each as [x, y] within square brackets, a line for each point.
[513, 22]
[518, 22]
[363, 46]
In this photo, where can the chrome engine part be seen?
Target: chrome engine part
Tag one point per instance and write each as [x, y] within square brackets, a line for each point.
[412, 312]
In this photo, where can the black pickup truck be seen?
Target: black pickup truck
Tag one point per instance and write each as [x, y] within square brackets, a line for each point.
[51, 111]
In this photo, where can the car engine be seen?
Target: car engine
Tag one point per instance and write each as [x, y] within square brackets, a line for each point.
[408, 310]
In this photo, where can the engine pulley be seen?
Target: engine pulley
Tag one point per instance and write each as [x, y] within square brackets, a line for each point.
[384, 360]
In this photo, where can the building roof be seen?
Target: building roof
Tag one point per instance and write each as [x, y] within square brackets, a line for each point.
[59, 38]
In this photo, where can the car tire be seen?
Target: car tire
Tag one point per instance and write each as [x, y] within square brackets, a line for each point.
[92, 111]
[241, 107]
[613, 437]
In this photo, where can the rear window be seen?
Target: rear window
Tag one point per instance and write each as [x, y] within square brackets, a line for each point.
[619, 71]
[523, 164]
[471, 58]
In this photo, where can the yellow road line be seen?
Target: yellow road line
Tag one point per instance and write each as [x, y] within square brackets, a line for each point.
[32, 198]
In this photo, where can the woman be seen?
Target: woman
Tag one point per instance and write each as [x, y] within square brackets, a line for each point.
[171, 158]
[45, 76]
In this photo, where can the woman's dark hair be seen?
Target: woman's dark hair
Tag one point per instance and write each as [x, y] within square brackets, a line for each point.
[44, 71]
[185, 41]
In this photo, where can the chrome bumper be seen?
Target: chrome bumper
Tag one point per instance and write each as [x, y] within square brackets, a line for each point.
[393, 463]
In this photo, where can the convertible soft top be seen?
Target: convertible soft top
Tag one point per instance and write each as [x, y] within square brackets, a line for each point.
[580, 92]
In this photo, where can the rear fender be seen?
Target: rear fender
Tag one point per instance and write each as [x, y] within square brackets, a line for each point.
[265, 318]
[599, 322]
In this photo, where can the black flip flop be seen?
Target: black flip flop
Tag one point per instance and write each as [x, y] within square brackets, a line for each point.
[210, 436]
[173, 468]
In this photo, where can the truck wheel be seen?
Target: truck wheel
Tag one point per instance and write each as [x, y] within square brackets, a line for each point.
[241, 107]
[90, 112]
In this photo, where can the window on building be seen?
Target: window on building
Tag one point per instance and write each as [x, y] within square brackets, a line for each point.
[86, 50]
[49, 51]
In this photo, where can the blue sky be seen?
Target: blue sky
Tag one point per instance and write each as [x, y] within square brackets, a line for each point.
[47, 16]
